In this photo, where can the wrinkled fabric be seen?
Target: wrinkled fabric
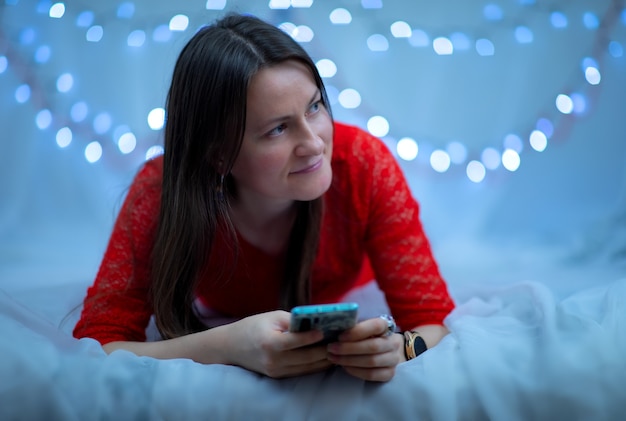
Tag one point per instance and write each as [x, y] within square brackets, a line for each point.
[514, 353]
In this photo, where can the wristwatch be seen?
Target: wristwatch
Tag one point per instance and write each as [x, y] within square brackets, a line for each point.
[414, 344]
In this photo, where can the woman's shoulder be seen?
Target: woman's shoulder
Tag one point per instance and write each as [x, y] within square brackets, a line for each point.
[352, 142]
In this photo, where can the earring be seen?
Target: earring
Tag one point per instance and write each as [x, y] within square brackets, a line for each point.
[220, 188]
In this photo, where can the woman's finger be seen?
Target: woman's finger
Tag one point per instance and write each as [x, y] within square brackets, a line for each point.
[385, 359]
[365, 329]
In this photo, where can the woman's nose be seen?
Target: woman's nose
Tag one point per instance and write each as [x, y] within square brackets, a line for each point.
[309, 142]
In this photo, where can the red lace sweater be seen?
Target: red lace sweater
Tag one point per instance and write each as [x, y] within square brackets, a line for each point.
[371, 222]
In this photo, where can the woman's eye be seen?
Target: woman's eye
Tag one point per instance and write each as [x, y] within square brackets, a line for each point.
[276, 130]
[315, 107]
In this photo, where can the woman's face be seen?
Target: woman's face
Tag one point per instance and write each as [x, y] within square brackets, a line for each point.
[287, 145]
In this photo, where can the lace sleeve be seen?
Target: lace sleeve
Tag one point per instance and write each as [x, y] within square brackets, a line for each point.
[117, 307]
[398, 248]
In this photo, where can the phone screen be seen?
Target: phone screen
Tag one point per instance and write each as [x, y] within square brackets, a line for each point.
[332, 319]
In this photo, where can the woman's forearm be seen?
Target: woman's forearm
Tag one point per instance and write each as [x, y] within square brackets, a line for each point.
[207, 347]
[431, 334]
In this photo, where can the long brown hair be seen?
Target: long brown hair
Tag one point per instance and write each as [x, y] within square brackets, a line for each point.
[206, 114]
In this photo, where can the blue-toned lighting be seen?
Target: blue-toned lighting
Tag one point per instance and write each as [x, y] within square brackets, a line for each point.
[460, 41]
[419, 38]
[624, 16]
[592, 75]
[127, 143]
[327, 68]
[475, 171]
[564, 104]
[377, 42]
[538, 140]
[136, 38]
[43, 119]
[85, 19]
[301, 3]
[590, 20]
[120, 130]
[340, 16]
[510, 160]
[349, 98]
[443, 46]
[333, 94]
[64, 137]
[484, 47]
[490, 158]
[154, 151]
[156, 118]
[513, 142]
[372, 4]
[179, 23]
[616, 49]
[4, 64]
[57, 10]
[523, 35]
[289, 28]
[10, 2]
[407, 149]
[457, 152]
[493, 12]
[440, 161]
[42, 54]
[93, 152]
[558, 20]
[43, 6]
[65, 82]
[304, 34]
[279, 4]
[545, 126]
[378, 126]
[162, 33]
[126, 10]
[22, 93]
[400, 29]
[102, 123]
[79, 111]
[589, 62]
[27, 36]
[580, 103]
[95, 33]
[215, 4]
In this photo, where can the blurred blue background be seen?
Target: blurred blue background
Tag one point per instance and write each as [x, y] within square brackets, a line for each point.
[515, 109]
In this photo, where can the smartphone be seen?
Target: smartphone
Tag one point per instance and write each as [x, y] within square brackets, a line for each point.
[332, 319]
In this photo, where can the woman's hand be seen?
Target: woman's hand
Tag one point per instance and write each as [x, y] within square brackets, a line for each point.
[366, 352]
[263, 344]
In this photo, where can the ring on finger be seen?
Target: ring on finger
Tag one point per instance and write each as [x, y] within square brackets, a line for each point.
[391, 324]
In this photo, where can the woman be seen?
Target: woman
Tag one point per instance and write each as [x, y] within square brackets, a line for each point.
[260, 203]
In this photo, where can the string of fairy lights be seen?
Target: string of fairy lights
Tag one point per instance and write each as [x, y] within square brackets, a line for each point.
[79, 124]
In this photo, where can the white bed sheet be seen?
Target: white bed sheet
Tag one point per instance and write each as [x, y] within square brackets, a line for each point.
[515, 352]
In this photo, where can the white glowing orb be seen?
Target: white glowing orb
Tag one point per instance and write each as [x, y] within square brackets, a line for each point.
[93, 152]
[440, 160]
[64, 137]
[127, 143]
[378, 126]
[475, 171]
[538, 140]
[349, 98]
[340, 16]
[156, 118]
[327, 68]
[510, 160]
[407, 149]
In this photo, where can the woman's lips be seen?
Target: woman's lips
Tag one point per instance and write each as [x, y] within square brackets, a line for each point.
[310, 168]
